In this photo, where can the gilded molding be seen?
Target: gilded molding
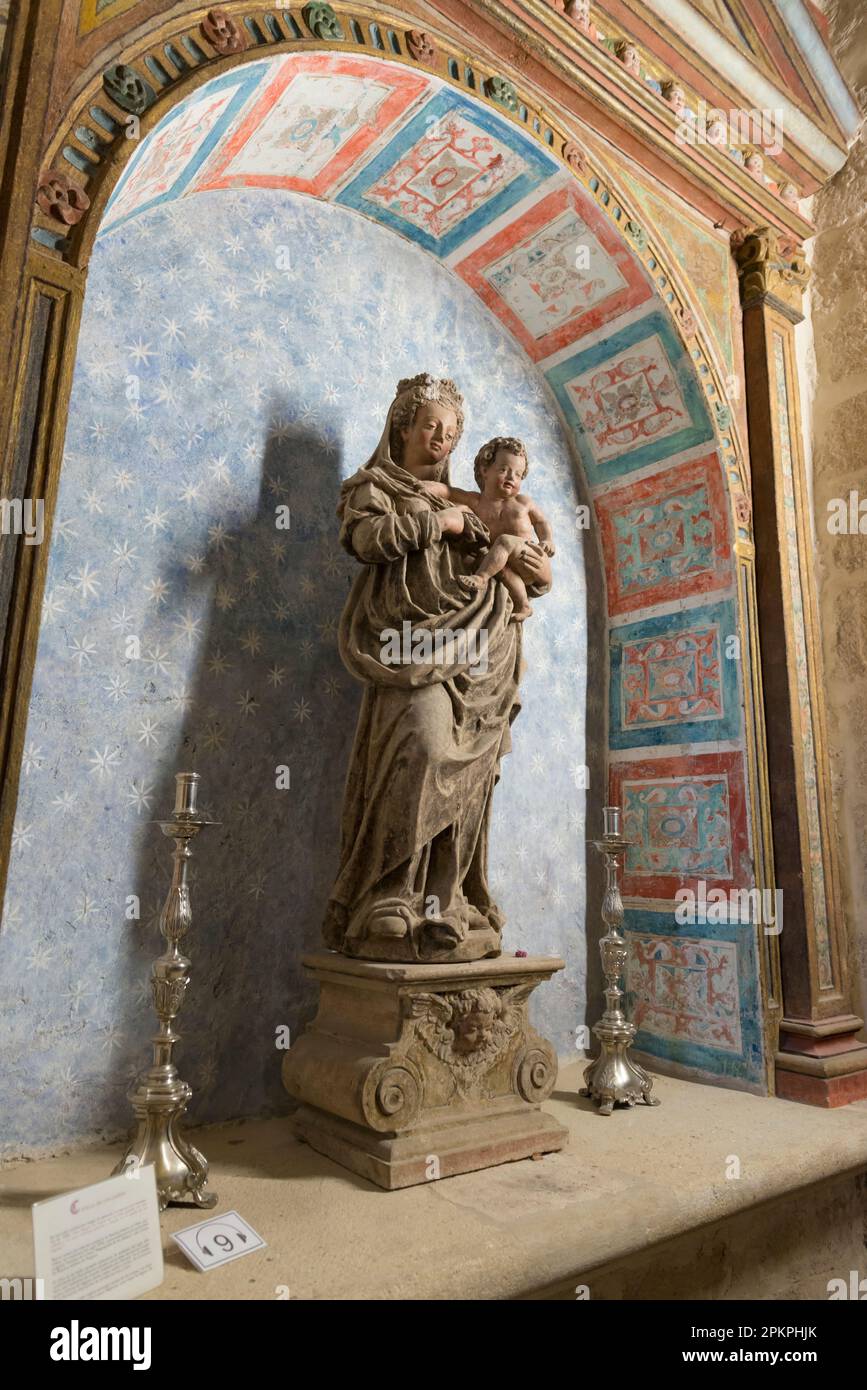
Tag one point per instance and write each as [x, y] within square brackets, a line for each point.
[660, 85]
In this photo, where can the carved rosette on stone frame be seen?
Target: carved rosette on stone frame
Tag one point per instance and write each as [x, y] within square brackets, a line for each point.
[743, 510]
[127, 89]
[421, 47]
[223, 33]
[503, 92]
[60, 198]
[322, 21]
[575, 157]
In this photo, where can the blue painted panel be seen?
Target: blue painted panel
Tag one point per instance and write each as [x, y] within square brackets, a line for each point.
[537, 167]
[679, 992]
[604, 355]
[245, 78]
[721, 690]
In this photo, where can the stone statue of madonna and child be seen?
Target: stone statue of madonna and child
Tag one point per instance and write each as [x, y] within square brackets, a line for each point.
[432, 628]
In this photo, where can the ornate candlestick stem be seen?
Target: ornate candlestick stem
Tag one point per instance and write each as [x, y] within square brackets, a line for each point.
[614, 1078]
[159, 1097]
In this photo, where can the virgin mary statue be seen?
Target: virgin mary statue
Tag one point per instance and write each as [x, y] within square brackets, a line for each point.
[440, 672]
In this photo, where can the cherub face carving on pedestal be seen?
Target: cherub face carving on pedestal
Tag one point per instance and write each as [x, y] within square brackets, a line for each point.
[470, 1029]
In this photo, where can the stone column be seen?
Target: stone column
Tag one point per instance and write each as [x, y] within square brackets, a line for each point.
[819, 1058]
[838, 311]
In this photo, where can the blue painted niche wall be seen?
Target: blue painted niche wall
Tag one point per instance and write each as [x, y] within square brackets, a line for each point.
[183, 630]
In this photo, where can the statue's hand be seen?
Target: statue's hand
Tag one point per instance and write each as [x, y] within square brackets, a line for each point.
[452, 520]
[534, 567]
[533, 559]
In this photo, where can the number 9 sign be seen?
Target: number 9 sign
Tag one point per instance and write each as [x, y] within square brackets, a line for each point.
[218, 1240]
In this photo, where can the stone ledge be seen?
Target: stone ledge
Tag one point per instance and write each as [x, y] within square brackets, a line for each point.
[623, 1184]
[495, 968]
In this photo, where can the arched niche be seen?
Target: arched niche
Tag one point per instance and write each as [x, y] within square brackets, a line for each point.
[686, 468]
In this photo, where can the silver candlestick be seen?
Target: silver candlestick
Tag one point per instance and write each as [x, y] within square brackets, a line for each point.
[160, 1097]
[614, 1078]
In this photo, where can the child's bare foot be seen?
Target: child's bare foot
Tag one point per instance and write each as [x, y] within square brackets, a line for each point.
[474, 581]
[519, 615]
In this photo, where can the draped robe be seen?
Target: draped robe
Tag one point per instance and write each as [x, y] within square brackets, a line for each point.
[412, 883]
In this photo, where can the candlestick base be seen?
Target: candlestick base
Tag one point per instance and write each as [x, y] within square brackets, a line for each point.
[158, 1102]
[613, 1078]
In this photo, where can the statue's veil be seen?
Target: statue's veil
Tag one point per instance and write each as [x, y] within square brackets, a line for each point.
[382, 455]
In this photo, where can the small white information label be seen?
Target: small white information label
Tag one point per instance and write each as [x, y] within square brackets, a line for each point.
[218, 1240]
[102, 1241]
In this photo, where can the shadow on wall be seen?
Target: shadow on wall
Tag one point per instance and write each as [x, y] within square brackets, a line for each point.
[274, 784]
[165, 533]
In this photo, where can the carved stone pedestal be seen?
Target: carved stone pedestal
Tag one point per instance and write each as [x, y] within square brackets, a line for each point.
[415, 1072]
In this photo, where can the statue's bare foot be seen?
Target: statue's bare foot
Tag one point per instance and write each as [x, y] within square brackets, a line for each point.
[474, 581]
[387, 924]
[520, 615]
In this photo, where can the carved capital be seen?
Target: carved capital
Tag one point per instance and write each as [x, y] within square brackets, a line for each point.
[771, 267]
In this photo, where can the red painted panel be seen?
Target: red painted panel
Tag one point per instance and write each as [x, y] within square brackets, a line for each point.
[641, 569]
[405, 88]
[629, 295]
[694, 810]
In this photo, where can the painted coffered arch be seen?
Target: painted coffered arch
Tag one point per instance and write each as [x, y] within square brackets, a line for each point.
[405, 130]
[97, 140]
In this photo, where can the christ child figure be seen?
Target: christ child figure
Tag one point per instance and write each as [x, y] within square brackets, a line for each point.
[512, 518]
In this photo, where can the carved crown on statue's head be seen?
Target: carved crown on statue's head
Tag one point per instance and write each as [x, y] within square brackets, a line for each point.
[414, 391]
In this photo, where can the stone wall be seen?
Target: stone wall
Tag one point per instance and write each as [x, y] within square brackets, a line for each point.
[839, 430]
